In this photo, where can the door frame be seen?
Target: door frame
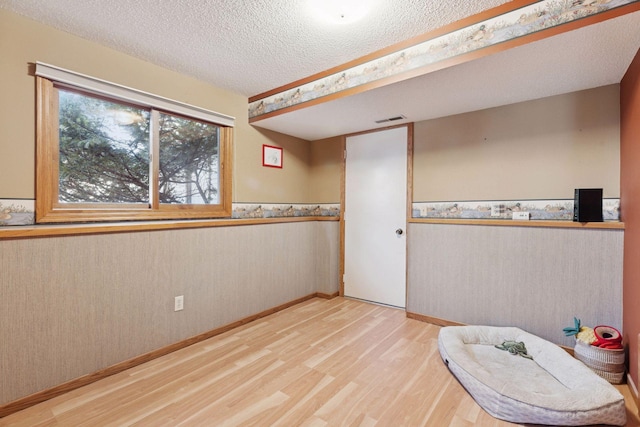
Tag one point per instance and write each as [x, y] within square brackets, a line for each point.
[343, 195]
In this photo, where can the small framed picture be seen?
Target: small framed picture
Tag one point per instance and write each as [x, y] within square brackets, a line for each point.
[271, 156]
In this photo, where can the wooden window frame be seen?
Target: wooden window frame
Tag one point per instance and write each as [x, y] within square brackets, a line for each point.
[50, 210]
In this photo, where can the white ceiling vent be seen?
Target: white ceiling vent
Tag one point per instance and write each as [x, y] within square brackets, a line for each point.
[391, 119]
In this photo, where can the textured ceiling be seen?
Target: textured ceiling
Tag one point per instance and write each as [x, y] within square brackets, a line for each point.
[590, 57]
[250, 47]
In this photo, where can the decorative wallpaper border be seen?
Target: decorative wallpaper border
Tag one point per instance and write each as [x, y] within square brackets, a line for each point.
[520, 22]
[22, 211]
[17, 212]
[554, 210]
[263, 210]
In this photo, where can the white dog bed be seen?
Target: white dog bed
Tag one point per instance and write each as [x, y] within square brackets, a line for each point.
[553, 388]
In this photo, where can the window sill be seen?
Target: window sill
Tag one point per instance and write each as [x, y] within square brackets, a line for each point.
[511, 223]
[33, 231]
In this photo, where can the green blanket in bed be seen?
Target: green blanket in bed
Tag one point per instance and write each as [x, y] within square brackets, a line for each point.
[515, 348]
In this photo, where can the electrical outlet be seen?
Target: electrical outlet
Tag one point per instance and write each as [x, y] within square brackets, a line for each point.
[178, 303]
[522, 216]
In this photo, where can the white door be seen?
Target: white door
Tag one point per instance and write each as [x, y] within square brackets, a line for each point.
[375, 217]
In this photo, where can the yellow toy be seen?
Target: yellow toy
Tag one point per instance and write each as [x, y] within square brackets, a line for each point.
[582, 333]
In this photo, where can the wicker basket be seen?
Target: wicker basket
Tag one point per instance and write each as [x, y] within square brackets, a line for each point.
[607, 363]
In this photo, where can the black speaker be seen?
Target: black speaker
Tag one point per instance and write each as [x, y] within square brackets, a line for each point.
[587, 205]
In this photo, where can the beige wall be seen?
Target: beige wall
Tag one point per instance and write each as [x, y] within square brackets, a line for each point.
[540, 149]
[326, 169]
[264, 184]
[23, 41]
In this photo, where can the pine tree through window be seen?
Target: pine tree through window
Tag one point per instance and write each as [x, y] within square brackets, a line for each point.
[104, 158]
[104, 151]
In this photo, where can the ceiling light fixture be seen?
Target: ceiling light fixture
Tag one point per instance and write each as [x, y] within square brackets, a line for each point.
[339, 11]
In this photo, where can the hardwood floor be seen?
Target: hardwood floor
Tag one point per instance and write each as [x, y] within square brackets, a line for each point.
[320, 363]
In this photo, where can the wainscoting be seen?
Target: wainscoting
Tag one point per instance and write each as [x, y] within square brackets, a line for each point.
[534, 278]
[70, 306]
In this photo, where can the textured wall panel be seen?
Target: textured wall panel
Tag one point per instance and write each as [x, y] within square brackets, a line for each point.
[72, 305]
[327, 261]
[533, 278]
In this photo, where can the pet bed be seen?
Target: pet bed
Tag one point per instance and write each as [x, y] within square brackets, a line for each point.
[552, 388]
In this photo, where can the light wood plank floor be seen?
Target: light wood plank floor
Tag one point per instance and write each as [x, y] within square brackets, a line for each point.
[320, 363]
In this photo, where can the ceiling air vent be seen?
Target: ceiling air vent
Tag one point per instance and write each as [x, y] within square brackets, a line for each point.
[391, 119]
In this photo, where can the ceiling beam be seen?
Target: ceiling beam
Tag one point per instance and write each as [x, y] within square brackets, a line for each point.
[498, 29]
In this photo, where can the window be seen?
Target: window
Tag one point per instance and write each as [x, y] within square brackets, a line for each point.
[106, 152]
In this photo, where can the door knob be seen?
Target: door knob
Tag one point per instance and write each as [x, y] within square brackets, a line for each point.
[399, 231]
